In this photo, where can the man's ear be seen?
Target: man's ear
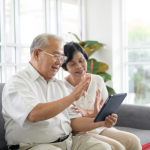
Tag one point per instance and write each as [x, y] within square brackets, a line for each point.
[36, 54]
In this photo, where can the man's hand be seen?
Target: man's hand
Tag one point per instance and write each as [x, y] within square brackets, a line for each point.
[110, 120]
[78, 91]
[83, 124]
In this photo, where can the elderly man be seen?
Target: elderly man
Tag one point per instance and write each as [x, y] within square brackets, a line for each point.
[35, 104]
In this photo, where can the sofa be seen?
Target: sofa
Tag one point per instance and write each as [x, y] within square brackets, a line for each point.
[132, 118]
[135, 119]
[3, 144]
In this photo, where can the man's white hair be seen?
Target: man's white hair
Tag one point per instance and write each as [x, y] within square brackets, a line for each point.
[42, 41]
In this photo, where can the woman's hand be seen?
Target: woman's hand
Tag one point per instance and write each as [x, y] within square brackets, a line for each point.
[97, 105]
[90, 113]
[76, 109]
[110, 120]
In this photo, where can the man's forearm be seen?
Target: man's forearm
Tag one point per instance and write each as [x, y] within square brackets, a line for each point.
[83, 124]
[44, 111]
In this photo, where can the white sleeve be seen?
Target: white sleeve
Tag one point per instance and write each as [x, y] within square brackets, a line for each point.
[18, 101]
[72, 114]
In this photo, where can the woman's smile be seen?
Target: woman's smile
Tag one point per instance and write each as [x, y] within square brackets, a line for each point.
[80, 71]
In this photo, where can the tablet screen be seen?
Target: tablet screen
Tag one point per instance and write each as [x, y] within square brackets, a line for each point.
[110, 106]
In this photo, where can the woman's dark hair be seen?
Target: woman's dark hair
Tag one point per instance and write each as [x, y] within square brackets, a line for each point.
[70, 49]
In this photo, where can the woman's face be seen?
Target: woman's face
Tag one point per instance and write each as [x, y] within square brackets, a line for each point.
[77, 67]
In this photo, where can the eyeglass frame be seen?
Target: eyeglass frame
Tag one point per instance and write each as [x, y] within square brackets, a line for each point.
[55, 55]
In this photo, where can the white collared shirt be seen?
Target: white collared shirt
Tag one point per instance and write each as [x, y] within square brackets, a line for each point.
[87, 102]
[21, 94]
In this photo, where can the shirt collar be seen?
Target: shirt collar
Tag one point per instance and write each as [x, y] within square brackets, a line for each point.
[35, 75]
[32, 72]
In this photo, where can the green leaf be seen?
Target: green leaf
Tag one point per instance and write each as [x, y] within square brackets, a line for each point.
[75, 36]
[93, 48]
[110, 90]
[102, 67]
[88, 43]
[88, 50]
[105, 76]
[95, 66]
[82, 44]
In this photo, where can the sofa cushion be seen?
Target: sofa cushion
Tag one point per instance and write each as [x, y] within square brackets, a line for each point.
[3, 144]
[143, 135]
[134, 116]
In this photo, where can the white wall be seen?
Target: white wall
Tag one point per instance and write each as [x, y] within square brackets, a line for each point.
[103, 23]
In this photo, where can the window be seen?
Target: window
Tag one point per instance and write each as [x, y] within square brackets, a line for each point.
[21, 21]
[70, 22]
[136, 44]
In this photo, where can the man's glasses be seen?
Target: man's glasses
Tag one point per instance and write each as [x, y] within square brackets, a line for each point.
[56, 57]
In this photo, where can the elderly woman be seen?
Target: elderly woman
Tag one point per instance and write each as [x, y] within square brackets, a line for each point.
[76, 65]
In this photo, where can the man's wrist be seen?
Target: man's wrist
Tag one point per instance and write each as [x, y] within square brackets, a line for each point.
[72, 97]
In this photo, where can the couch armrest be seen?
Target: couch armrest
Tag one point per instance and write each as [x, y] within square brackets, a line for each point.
[134, 116]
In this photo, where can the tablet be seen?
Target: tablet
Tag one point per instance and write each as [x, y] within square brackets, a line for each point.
[110, 106]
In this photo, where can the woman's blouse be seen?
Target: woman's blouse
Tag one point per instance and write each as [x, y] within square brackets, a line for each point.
[87, 102]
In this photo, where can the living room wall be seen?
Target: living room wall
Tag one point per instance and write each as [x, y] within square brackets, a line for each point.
[103, 23]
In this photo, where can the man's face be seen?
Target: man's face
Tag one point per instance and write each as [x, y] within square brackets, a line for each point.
[47, 66]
